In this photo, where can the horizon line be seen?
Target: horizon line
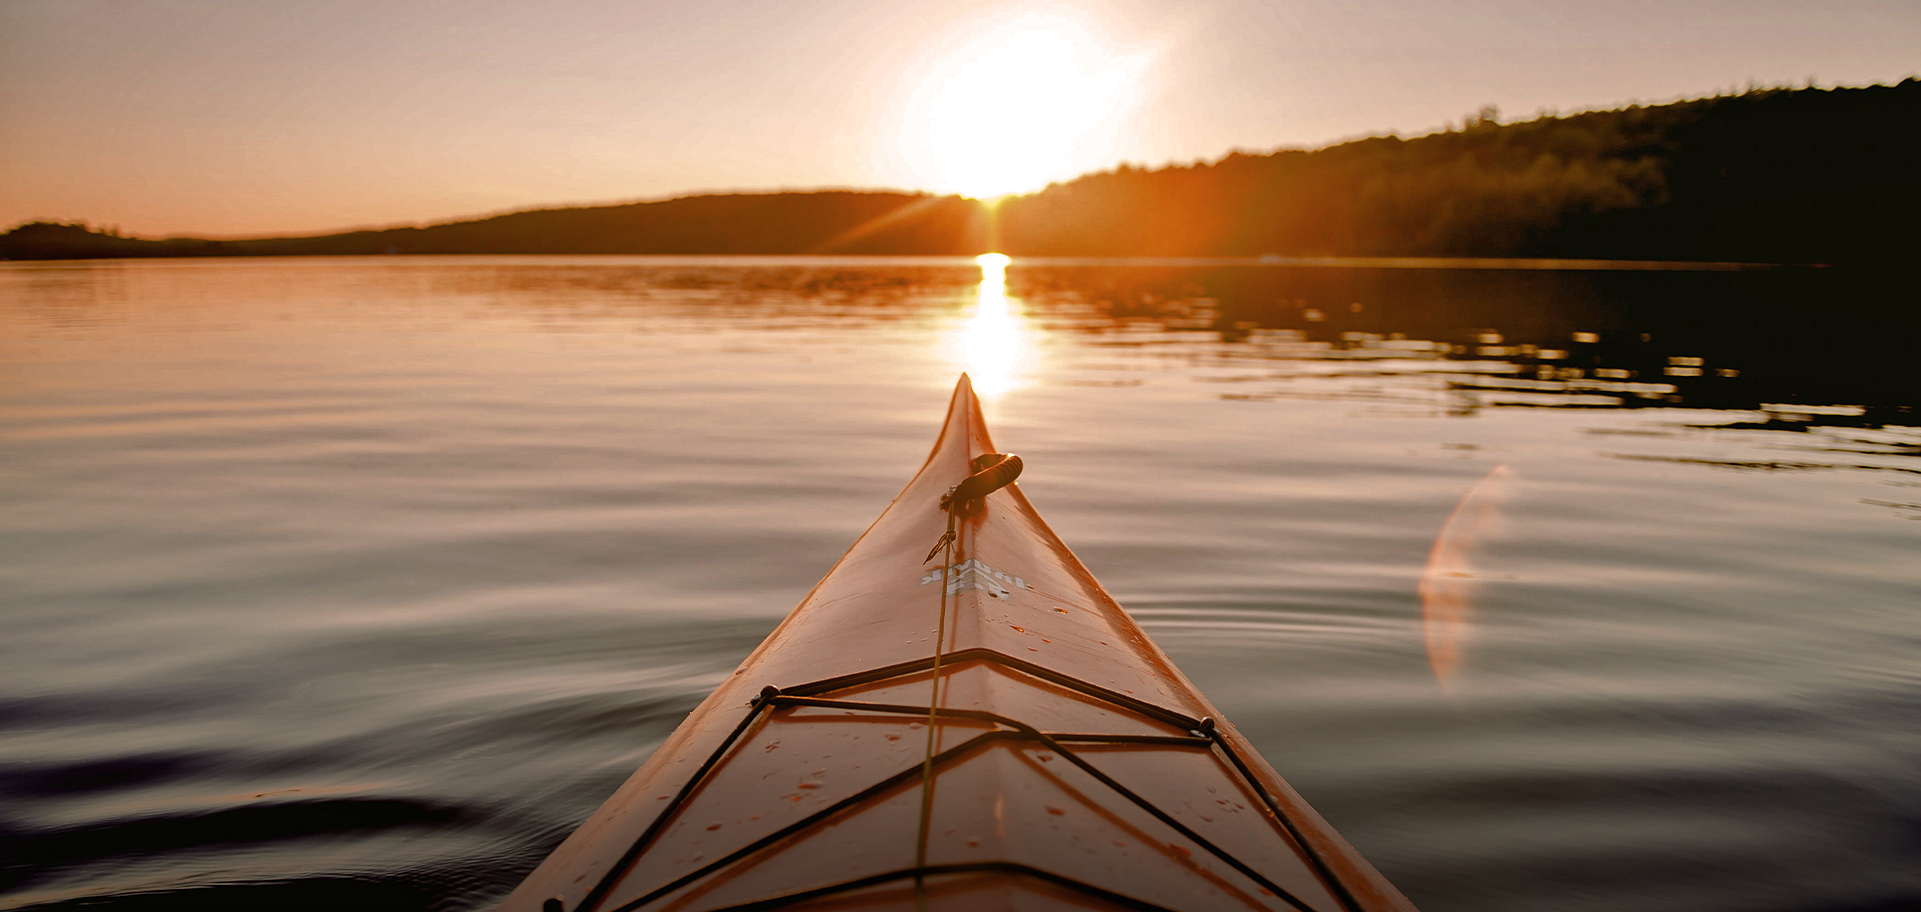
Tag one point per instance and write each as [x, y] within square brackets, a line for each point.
[1447, 127]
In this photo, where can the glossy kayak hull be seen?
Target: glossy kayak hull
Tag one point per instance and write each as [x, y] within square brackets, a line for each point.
[1065, 762]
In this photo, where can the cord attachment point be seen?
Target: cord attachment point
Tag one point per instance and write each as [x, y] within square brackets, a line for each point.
[946, 539]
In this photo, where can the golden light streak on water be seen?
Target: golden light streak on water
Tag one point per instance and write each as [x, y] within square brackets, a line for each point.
[994, 346]
[1448, 584]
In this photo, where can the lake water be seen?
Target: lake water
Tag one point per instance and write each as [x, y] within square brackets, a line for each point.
[358, 583]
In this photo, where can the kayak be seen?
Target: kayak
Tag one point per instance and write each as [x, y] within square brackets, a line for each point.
[957, 717]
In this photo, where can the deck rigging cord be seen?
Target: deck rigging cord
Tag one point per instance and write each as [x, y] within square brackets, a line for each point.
[933, 702]
[990, 473]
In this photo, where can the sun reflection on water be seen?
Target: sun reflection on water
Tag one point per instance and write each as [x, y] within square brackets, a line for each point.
[994, 346]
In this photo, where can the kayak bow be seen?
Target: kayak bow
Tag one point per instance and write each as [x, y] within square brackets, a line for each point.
[1046, 755]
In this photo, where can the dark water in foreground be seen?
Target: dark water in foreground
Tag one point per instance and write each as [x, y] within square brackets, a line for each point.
[359, 583]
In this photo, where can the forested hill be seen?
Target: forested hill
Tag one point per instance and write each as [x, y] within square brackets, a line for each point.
[1808, 175]
[1779, 176]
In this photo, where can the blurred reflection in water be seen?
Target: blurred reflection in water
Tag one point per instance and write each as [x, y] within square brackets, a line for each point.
[994, 344]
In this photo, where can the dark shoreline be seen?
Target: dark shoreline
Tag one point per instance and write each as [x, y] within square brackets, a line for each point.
[1812, 176]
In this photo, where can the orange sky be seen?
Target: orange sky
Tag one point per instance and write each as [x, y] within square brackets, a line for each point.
[226, 117]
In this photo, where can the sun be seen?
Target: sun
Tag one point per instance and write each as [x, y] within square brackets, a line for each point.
[1018, 107]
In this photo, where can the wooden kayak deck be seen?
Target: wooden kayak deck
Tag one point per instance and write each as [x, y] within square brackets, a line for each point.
[1073, 766]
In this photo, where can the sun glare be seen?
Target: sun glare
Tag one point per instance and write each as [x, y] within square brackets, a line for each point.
[1017, 108]
[1449, 582]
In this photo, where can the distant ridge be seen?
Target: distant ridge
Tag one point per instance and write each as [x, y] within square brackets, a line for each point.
[1773, 175]
[832, 221]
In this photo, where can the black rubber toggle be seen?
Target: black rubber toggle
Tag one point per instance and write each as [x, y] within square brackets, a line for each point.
[992, 472]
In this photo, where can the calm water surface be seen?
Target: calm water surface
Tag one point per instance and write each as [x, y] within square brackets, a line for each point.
[359, 583]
